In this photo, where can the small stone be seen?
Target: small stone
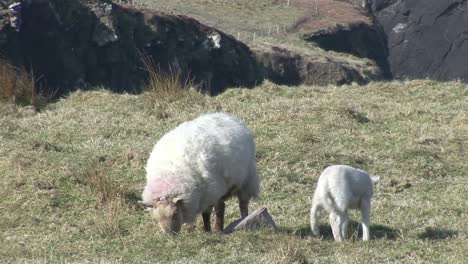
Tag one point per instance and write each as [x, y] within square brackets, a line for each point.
[259, 218]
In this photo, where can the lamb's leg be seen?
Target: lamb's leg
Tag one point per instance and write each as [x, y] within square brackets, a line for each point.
[365, 212]
[206, 219]
[344, 219]
[335, 224]
[219, 220]
[314, 217]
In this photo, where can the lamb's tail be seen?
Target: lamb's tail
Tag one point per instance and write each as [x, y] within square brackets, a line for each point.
[374, 178]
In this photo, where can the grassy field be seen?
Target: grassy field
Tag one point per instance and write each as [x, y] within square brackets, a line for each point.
[232, 16]
[72, 175]
[247, 16]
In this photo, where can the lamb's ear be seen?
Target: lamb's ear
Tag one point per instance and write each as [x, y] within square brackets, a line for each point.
[375, 179]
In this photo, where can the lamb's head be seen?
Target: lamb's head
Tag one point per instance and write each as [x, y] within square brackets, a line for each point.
[168, 212]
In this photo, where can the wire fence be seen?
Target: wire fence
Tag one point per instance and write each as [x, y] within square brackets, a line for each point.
[252, 35]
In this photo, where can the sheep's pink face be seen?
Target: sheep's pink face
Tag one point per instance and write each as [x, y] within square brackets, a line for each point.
[168, 214]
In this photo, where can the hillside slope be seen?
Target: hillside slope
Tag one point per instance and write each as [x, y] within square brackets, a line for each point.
[73, 173]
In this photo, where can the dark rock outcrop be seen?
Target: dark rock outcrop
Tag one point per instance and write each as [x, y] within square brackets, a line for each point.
[288, 67]
[359, 39]
[426, 38]
[69, 44]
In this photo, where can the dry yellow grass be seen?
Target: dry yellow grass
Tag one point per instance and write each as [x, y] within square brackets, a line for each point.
[165, 88]
[17, 85]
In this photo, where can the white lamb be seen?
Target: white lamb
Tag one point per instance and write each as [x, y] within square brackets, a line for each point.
[196, 167]
[340, 188]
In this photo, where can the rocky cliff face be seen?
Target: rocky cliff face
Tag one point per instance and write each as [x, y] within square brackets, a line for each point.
[426, 38]
[69, 44]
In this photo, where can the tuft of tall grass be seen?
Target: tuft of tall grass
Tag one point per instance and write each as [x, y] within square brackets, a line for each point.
[109, 222]
[288, 252]
[109, 201]
[104, 189]
[18, 86]
[165, 88]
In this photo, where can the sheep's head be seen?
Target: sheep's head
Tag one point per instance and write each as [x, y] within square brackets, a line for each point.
[168, 213]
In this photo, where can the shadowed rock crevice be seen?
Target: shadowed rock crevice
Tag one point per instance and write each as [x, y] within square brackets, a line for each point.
[358, 39]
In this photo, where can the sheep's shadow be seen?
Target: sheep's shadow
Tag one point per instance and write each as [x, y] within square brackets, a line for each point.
[354, 232]
[437, 234]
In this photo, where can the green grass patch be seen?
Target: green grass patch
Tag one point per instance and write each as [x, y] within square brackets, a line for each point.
[72, 175]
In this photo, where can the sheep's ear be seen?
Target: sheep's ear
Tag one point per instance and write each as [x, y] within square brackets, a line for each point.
[177, 200]
[375, 179]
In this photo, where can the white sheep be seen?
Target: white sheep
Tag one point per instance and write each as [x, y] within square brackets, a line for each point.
[196, 167]
[340, 188]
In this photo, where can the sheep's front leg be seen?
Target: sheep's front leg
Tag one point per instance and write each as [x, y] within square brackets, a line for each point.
[314, 217]
[219, 220]
[365, 212]
[206, 219]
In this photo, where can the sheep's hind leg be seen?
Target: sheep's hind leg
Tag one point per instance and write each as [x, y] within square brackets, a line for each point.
[219, 220]
[206, 219]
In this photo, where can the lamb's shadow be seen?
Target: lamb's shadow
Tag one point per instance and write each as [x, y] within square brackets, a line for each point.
[354, 232]
[383, 232]
[437, 234]
[304, 232]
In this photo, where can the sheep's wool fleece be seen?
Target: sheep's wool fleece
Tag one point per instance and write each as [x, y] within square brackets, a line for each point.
[200, 161]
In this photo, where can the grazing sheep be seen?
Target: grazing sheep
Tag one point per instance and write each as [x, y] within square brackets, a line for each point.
[196, 167]
[340, 188]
